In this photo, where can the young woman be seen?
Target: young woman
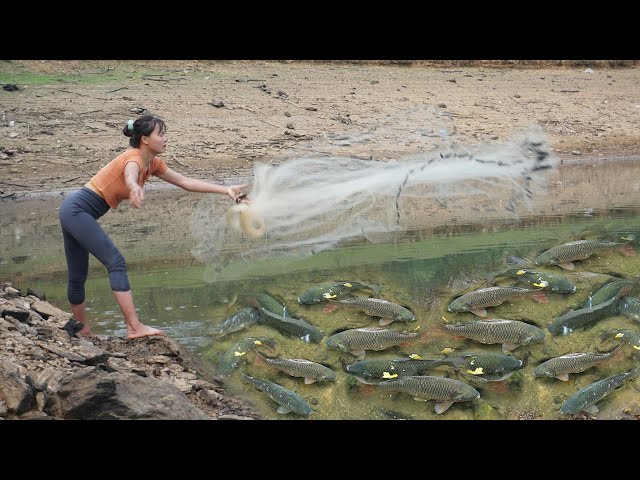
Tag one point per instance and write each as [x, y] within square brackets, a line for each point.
[121, 179]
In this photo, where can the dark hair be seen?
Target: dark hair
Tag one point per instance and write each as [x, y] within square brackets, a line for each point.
[143, 126]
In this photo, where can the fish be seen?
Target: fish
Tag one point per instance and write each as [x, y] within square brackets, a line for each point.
[630, 307]
[561, 367]
[550, 281]
[446, 391]
[395, 367]
[245, 317]
[292, 326]
[586, 398]
[325, 293]
[564, 255]
[565, 324]
[377, 307]
[236, 355]
[357, 340]
[617, 289]
[298, 367]
[289, 401]
[511, 333]
[262, 300]
[475, 301]
[486, 363]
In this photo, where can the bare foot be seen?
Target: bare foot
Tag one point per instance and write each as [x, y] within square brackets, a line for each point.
[86, 332]
[143, 331]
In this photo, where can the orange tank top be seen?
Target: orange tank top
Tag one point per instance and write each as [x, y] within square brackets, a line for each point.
[110, 179]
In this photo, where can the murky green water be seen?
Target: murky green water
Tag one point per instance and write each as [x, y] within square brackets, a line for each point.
[424, 273]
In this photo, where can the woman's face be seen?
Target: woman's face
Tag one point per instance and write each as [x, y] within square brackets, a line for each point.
[157, 141]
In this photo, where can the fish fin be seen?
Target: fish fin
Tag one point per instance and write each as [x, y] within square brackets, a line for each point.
[366, 388]
[385, 321]
[627, 251]
[540, 298]
[481, 312]
[567, 265]
[282, 410]
[442, 407]
[563, 376]
[332, 307]
[233, 300]
[358, 353]
[309, 381]
[508, 347]
[418, 399]
[592, 409]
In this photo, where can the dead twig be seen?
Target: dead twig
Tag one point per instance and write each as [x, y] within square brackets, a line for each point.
[270, 124]
[14, 184]
[117, 90]
[156, 79]
[71, 179]
[82, 94]
[294, 104]
[242, 107]
[92, 111]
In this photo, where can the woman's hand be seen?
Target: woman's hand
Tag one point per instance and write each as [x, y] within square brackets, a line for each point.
[235, 192]
[136, 196]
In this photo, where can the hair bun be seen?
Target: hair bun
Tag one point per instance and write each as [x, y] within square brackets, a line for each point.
[128, 128]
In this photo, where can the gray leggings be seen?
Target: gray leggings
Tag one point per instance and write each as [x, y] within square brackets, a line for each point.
[82, 235]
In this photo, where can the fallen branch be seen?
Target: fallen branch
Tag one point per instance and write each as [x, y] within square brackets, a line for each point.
[117, 90]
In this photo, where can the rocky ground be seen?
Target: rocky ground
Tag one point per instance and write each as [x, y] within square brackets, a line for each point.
[48, 372]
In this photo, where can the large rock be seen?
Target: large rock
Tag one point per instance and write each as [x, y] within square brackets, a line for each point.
[93, 394]
[16, 392]
[47, 310]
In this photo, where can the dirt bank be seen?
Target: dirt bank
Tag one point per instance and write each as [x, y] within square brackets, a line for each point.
[65, 121]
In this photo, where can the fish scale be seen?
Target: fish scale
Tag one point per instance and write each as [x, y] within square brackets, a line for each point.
[236, 354]
[368, 339]
[573, 319]
[297, 367]
[617, 288]
[486, 297]
[288, 399]
[555, 283]
[324, 293]
[245, 317]
[571, 363]
[630, 307]
[496, 331]
[400, 367]
[376, 307]
[595, 392]
[431, 388]
[490, 363]
[570, 251]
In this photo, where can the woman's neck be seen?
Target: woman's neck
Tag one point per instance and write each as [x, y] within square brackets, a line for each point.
[147, 155]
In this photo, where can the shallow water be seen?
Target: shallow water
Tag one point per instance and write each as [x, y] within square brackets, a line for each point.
[424, 270]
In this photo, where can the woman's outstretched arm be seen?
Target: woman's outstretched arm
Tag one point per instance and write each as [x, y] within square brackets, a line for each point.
[195, 185]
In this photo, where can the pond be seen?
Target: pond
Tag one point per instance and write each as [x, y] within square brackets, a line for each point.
[423, 269]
